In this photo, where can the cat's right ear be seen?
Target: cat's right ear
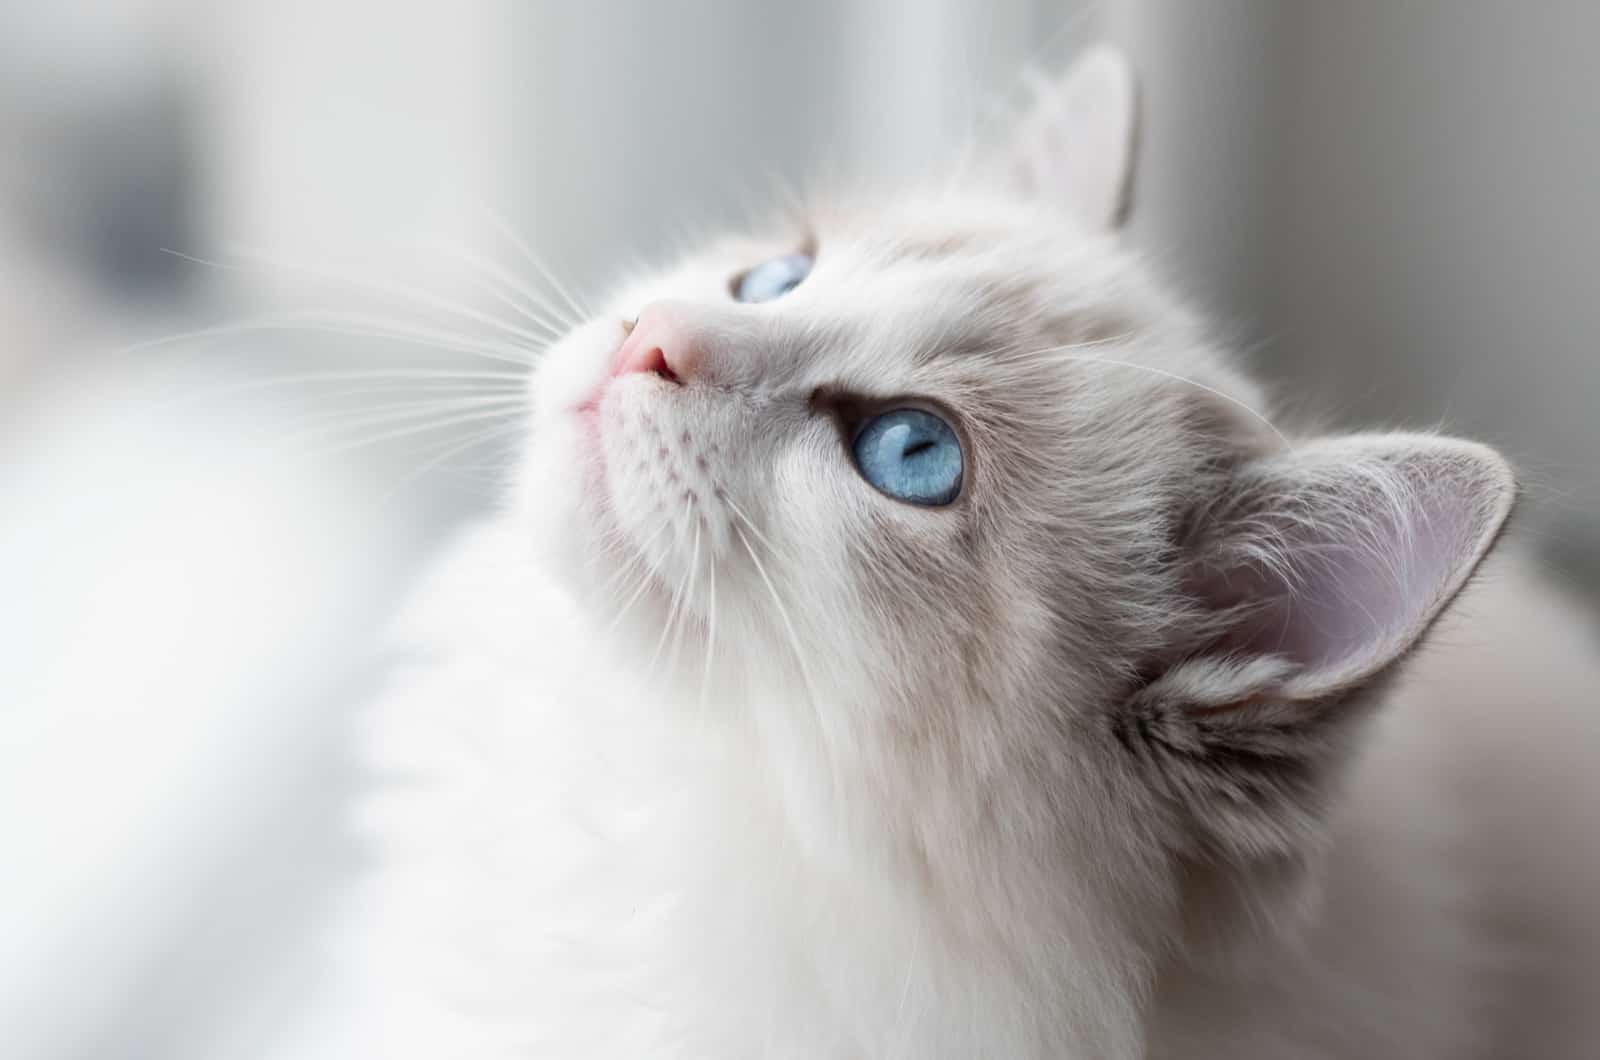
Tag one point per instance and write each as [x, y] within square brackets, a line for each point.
[1074, 149]
[1312, 572]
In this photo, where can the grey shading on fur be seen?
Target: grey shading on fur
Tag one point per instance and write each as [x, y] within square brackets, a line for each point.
[1148, 745]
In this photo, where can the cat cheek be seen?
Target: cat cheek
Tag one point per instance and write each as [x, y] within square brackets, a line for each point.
[571, 374]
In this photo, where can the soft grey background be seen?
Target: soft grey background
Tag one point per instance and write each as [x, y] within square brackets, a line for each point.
[1394, 204]
[1389, 205]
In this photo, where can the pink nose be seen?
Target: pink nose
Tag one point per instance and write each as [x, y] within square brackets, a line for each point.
[659, 343]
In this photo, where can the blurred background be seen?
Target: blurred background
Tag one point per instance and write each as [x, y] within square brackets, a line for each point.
[217, 475]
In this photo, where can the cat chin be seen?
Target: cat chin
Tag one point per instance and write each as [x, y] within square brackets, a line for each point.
[563, 512]
[552, 500]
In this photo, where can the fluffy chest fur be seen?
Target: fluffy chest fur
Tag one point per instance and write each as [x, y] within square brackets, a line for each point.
[634, 887]
[572, 873]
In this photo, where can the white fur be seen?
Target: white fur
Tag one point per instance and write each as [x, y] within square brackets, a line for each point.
[713, 751]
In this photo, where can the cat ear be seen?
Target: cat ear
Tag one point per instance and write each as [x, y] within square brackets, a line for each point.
[1074, 149]
[1314, 572]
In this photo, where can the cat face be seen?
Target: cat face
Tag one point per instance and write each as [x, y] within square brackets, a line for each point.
[952, 503]
[726, 475]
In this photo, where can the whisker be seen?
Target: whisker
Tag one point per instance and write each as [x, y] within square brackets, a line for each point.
[386, 327]
[694, 579]
[399, 376]
[644, 583]
[711, 631]
[534, 260]
[1063, 353]
[672, 614]
[1175, 377]
[441, 388]
[738, 511]
[777, 602]
[405, 432]
[382, 412]
[639, 562]
[475, 439]
[635, 557]
[629, 561]
[309, 324]
[262, 261]
[330, 413]
[378, 380]
[556, 324]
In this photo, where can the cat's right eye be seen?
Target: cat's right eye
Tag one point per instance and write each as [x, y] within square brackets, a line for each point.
[910, 455]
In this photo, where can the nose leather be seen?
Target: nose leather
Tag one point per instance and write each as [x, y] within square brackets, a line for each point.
[660, 343]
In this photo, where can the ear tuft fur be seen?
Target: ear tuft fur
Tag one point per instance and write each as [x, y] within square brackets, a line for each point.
[1245, 768]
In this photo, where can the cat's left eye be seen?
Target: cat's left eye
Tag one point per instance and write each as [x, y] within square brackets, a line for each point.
[772, 279]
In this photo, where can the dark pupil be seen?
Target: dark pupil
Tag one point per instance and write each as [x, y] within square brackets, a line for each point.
[918, 447]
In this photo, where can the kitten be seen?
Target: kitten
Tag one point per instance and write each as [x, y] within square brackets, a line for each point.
[908, 637]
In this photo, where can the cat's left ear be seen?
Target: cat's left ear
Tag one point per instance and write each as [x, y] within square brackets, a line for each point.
[1074, 149]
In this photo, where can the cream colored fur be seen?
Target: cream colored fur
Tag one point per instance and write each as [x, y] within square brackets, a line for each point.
[1149, 745]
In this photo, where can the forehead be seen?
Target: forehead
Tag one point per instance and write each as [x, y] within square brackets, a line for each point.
[946, 256]
[938, 274]
[909, 295]
[942, 279]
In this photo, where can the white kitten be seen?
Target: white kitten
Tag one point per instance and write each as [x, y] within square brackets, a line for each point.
[1074, 712]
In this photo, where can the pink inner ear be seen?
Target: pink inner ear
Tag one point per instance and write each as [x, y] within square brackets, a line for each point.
[1334, 604]
[1341, 575]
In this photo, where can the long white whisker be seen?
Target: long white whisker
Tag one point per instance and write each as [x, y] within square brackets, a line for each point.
[529, 305]
[402, 376]
[1175, 377]
[477, 438]
[711, 629]
[402, 410]
[449, 421]
[376, 389]
[783, 613]
[534, 260]
[694, 581]
[386, 327]
[640, 563]
[738, 511]
[301, 323]
[261, 259]
[1063, 353]
[672, 614]
[636, 560]
[377, 380]
[645, 578]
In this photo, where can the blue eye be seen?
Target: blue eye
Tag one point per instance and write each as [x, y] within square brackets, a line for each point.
[773, 279]
[911, 455]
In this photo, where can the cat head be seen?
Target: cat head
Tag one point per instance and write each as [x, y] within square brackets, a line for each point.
[942, 493]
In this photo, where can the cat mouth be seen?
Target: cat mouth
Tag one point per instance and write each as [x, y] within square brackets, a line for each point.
[650, 371]
[590, 410]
